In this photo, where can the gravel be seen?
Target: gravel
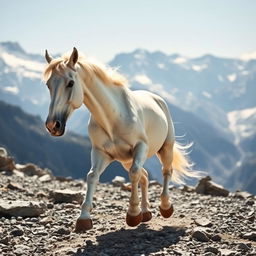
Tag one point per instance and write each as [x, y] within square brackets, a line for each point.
[201, 224]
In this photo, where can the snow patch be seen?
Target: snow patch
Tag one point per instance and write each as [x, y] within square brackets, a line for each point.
[161, 65]
[12, 89]
[232, 77]
[242, 122]
[142, 79]
[35, 102]
[15, 62]
[156, 88]
[32, 75]
[238, 163]
[245, 72]
[199, 68]
[240, 67]
[207, 95]
[180, 60]
[140, 54]
[248, 56]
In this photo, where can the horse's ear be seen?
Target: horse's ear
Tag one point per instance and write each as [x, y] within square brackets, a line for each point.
[48, 57]
[73, 58]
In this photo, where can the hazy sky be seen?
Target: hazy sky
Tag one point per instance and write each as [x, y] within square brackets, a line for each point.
[102, 28]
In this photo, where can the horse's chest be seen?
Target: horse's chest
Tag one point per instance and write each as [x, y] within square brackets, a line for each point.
[118, 149]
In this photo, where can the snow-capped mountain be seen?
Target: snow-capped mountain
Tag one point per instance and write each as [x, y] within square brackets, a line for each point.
[209, 98]
[20, 79]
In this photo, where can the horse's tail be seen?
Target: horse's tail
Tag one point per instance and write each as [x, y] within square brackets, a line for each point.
[181, 165]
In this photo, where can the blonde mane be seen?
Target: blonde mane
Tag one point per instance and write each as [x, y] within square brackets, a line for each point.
[106, 74]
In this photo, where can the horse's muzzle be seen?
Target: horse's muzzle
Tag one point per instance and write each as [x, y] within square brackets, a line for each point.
[55, 128]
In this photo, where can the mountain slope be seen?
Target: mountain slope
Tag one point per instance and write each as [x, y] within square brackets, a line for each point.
[244, 175]
[211, 152]
[20, 79]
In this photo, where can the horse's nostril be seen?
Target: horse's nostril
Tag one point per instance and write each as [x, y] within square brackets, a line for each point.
[57, 124]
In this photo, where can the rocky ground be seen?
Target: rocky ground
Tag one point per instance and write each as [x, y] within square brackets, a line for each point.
[38, 213]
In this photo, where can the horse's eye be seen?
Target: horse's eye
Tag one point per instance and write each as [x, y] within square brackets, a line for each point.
[70, 83]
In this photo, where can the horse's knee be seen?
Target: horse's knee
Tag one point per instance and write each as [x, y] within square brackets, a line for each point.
[135, 168]
[92, 176]
[167, 172]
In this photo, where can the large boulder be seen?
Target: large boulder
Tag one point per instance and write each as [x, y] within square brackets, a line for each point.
[6, 162]
[21, 208]
[66, 196]
[207, 187]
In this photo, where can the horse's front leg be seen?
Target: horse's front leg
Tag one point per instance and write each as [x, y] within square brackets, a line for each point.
[100, 161]
[134, 215]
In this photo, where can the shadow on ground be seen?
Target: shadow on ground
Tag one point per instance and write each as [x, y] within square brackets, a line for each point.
[133, 241]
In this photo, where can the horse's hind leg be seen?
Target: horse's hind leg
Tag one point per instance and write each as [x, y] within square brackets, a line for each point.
[166, 156]
[134, 215]
[146, 214]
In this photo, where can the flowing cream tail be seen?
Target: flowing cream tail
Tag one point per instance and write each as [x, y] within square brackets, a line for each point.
[181, 165]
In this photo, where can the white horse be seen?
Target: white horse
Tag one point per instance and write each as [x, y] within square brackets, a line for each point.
[125, 125]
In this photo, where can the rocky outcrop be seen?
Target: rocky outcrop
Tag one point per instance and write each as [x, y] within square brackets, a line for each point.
[66, 196]
[21, 208]
[32, 169]
[6, 162]
[207, 187]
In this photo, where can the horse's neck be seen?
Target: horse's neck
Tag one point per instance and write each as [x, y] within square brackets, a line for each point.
[103, 103]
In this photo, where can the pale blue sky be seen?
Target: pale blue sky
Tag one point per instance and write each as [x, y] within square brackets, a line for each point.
[102, 28]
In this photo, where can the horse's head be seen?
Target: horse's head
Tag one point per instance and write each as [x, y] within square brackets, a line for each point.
[65, 89]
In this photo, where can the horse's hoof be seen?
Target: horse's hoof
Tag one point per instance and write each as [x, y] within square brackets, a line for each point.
[133, 221]
[146, 216]
[83, 224]
[167, 213]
